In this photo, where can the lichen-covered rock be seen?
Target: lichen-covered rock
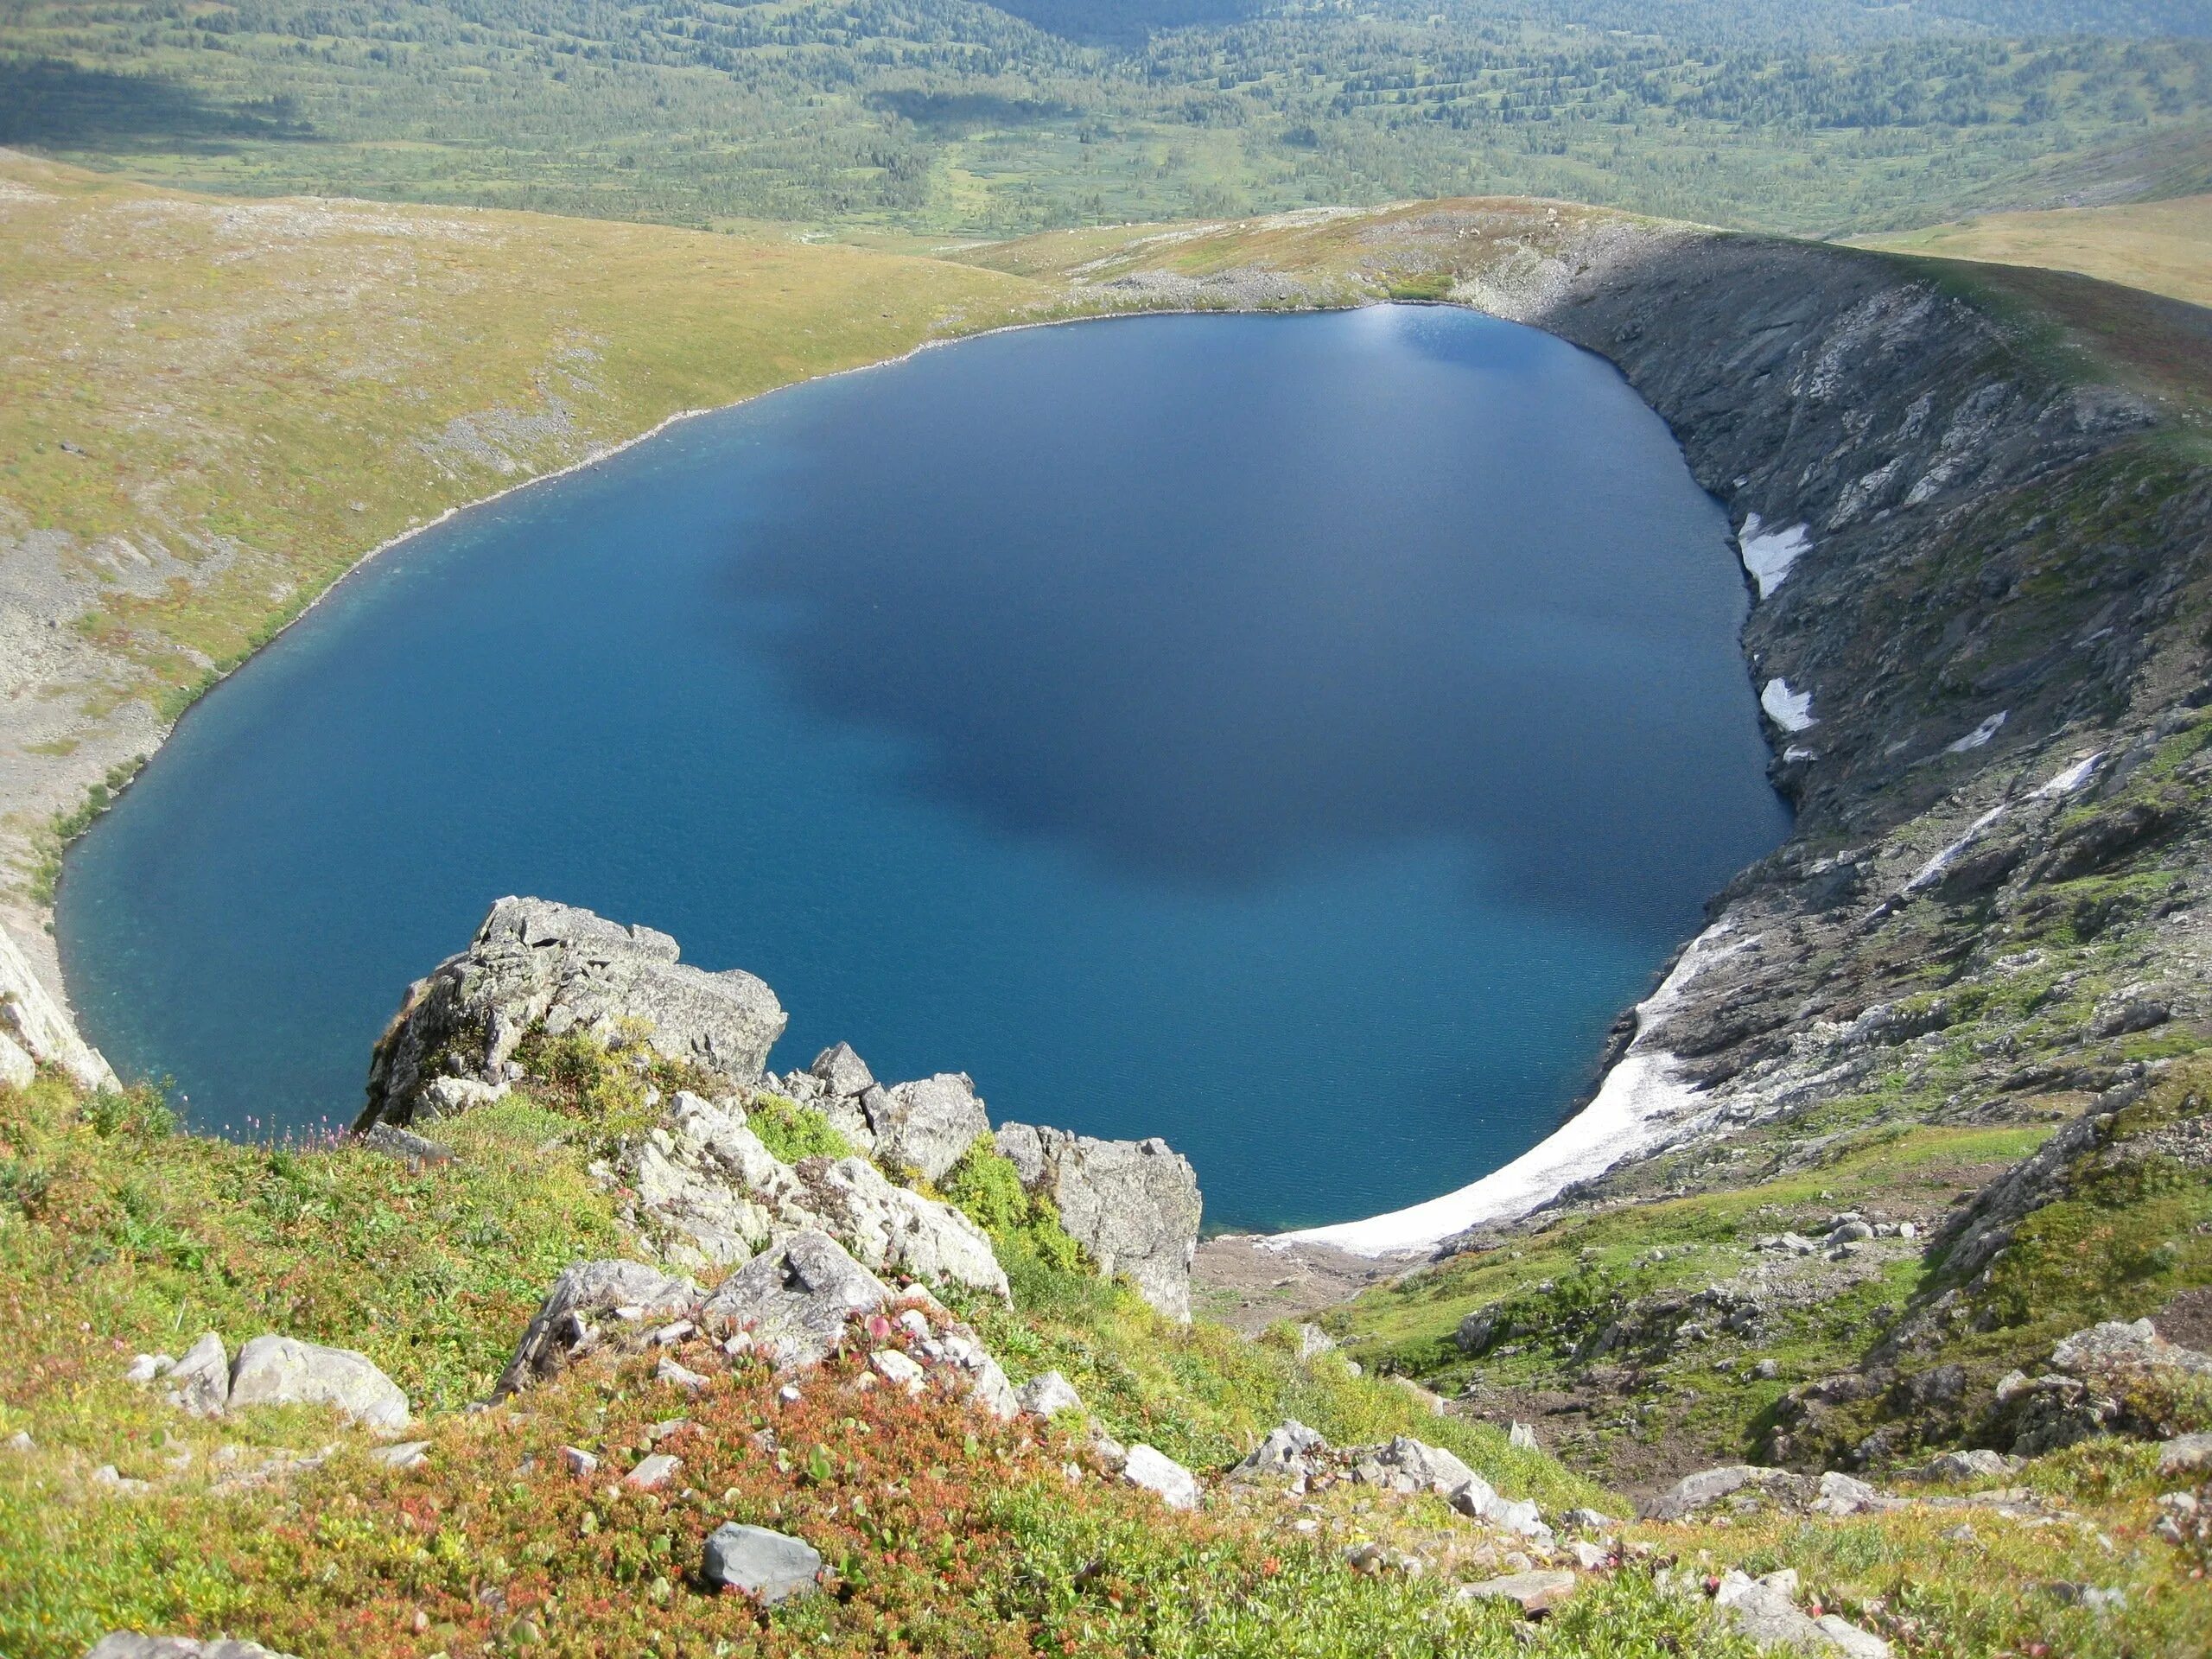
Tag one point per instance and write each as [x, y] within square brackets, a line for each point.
[1048, 1395]
[1708, 1486]
[927, 1124]
[273, 1371]
[585, 1297]
[1135, 1205]
[1286, 1452]
[1407, 1464]
[1160, 1474]
[795, 1297]
[890, 1228]
[533, 964]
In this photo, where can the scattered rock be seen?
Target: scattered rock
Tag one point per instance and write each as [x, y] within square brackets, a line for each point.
[1524, 1436]
[679, 1376]
[1952, 1466]
[770, 1566]
[1708, 1486]
[2186, 1454]
[1535, 1592]
[1157, 1472]
[412, 1149]
[653, 1471]
[1407, 1464]
[578, 1461]
[200, 1382]
[1133, 1206]
[1314, 1342]
[273, 1371]
[407, 1454]
[1765, 1611]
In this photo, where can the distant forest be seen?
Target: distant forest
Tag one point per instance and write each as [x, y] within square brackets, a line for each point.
[947, 117]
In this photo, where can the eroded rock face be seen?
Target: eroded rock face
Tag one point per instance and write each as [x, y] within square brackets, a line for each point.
[34, 1028]
[927, 1124]
[1135, 1205]
[535, 962]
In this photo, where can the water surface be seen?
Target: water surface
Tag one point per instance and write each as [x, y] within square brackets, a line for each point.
[1296, 736]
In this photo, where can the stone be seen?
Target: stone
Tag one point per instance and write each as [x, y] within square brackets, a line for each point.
[146, 1368]
[577, 1461]
[585, 1296]
[1586, 1520]
[2186, 1454]
[273, 1371]
[1160, 1474]
[1850, 1640]
[897, 1369]
[535, 963]
[770, 1566]
[1764, 1614]
[1286, 1451]
[200, 1382]
[1590, 1557]
[1693, 1492]
[1048, 1395]
[124, 1644]
[1518, 1515]
[1314, 1342]
[677, 1376]
[795, 1298]
[407, 1454]
[2120, 1348]
[1522, 1436]
[987, 1386]
[1976, 1465]
[1133, 1206]
[844, 1073]
[1840, 1495]
[1535, 1593]
[929, 1124]
[653, 1471]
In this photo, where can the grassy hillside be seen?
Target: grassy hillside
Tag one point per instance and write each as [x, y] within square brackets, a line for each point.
[2163, 247]
[216, 408]
[945, 1531]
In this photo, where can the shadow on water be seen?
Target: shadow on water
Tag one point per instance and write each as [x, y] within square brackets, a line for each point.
[48, 103]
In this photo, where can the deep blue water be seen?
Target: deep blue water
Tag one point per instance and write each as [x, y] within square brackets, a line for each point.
[1296, 736]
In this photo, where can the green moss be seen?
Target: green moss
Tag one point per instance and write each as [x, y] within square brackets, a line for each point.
[793, 1131]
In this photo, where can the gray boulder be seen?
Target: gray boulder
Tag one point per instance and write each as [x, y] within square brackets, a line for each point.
[1407, 1464]
[1708, 1486]
[125, 1645]
[842, 1073]
[795, 1297]
[889, 1227]
[534, 962]
[1160, 1474]
[926, 1125]
[1135, 1205]
[200, 1382]
[273, 1371]
[586, 1296]
[770, 1566]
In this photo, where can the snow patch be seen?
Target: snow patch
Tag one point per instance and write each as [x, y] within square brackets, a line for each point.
[1767, 554]
[1791, 710]
[1979, 735]
[2068, 781]
[1639, 1101]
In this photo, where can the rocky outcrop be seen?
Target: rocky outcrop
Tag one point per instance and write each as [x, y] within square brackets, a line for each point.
[538, 965]
[35, 1031]
[1135, 1205]
[792, 1300]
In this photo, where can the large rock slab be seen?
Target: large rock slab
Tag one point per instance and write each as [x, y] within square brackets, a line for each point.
[273, 1371]
[795, 1297]
[584, 1297]
[890, 1228]
[36, 1027]
[1135, 1205]
[536, 962]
